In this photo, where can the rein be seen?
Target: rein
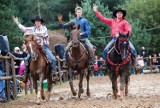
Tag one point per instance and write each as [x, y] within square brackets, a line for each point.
[125, 61]
[76, 61]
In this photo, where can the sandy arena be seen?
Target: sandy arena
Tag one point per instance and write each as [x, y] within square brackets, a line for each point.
[144, 92]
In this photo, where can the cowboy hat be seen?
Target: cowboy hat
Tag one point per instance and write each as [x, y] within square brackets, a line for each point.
[37, 18]
[119, 10]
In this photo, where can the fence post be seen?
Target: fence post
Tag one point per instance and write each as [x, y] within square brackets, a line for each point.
[59, 71]
[14, 78]
[150, 62]
[7, 81]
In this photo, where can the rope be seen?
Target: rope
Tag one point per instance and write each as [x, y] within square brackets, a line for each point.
[125, 61]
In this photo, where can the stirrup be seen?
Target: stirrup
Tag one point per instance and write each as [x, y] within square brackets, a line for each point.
[54, 76]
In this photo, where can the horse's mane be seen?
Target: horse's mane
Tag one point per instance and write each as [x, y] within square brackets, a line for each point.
[32, 38]
[29, 38]
[75, 26]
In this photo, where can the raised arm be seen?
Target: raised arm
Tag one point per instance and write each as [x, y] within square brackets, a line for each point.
[23, 28]
[66, 25]
[101, 17]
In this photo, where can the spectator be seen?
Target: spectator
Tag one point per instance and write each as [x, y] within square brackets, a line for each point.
[154, 60]
[100, 64]
[95, 69]
[3, 96]
[143, 55]
[158, 61]
[17, 53]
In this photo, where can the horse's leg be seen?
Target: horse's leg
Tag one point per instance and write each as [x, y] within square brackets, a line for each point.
[49, 80]
[41, 87]
[80, 84]
[88, 77]
[113, 78]
[40, 90]
[35, 86]
[126, 88]
[122, 83]
[71, 82]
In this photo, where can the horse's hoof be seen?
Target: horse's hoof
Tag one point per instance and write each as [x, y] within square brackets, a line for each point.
[82, 91]
[43, 97]
[115, 97]
[88, 94]
[74, 93]
[38, 102]
[79, 95]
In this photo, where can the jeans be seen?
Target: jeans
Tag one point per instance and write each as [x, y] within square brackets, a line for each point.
[87, 42]
[51, 57]
[133, 50]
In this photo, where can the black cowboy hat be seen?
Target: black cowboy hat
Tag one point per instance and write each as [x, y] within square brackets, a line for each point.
[119, 10]
[37, 18]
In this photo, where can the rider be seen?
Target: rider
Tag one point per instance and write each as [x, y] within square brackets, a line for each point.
[84, 28]
[40, 31]
[118, 25]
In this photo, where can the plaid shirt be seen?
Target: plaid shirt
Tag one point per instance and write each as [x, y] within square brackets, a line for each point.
[38, 32]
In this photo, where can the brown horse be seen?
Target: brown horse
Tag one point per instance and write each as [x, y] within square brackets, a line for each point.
[39, 68]
[118, 62]
[78, 60]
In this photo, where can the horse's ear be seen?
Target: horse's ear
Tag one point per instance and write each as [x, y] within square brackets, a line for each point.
[78, 26]
[72, 26]
[25, 41]
[128, 34]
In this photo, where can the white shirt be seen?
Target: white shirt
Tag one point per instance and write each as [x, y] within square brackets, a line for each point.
[38, 32]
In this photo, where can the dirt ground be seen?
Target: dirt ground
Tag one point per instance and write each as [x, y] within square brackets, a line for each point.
[144, 92]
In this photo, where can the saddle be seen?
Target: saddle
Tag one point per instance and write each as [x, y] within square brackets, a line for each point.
[85, 47]
[112, 46]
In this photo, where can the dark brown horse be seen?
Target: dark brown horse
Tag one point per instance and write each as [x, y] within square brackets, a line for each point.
[78, 60]
[39, 68]
[118, 62]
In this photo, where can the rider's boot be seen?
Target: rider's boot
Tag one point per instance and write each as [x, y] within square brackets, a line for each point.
[65, 66]
[54, 75]
[91, 60]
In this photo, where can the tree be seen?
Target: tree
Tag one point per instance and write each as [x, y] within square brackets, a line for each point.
[7, 10]
[147, 11]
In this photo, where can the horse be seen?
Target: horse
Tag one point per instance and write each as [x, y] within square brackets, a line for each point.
[39, 68]
[78, 60]
[118, 63]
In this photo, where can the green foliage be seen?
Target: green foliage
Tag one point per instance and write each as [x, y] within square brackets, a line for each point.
[139, 36]
[147, 11]
[142, 14]
[112, 3]
[7, 10]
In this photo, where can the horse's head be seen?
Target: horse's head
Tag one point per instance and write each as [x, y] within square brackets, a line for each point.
[75, 35]
[32, 47]
[123, 45]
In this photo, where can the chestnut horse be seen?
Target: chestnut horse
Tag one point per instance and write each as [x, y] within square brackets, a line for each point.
[118, 63]
[78, 60]
[39, 68]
